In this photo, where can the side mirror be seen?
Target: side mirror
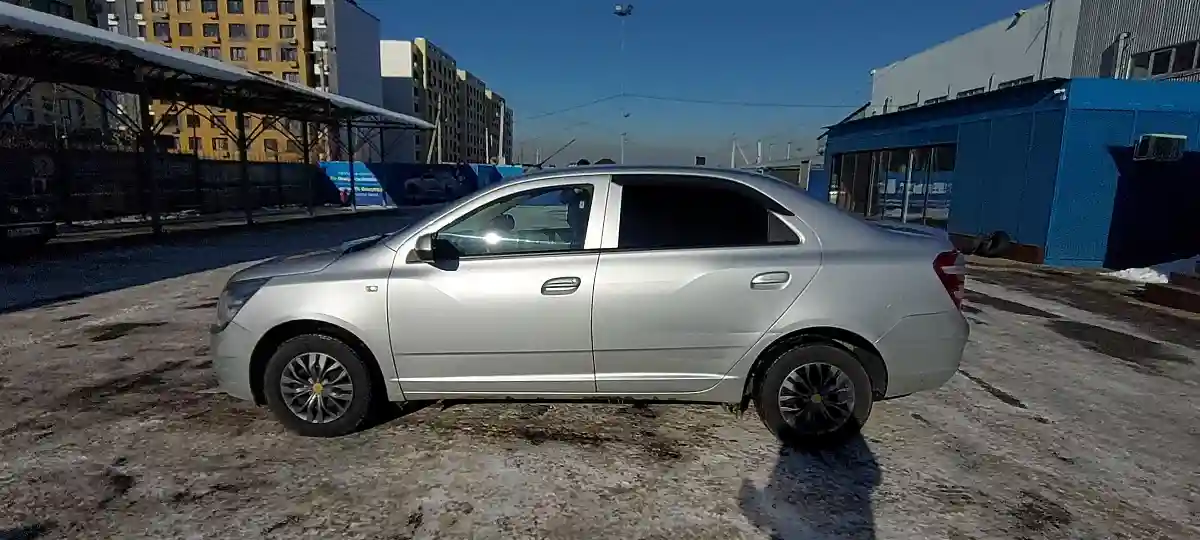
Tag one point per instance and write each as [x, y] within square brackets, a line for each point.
[424, 249]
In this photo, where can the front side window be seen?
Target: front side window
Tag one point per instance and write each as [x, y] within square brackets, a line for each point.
[678, 213]
[546, 220]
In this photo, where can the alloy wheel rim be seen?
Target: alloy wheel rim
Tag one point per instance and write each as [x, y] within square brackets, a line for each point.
[816, 398]
[316, 388]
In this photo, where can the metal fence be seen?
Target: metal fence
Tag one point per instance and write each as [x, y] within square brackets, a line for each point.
[91, 179]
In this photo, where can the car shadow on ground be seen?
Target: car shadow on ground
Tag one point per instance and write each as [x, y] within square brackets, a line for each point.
[816, 494]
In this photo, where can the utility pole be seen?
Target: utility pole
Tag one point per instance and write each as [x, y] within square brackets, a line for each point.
[733, 153]
[758, 158]
[503, 110]
[622, 11]
[789, 151]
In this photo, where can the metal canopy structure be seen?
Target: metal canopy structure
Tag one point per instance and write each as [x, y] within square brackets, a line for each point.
[48, 48]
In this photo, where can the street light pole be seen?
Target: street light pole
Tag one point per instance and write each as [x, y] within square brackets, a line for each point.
[622, 11]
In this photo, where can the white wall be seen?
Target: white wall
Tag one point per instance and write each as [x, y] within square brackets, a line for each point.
[354, 64]
[1006, 50]
[397, 70]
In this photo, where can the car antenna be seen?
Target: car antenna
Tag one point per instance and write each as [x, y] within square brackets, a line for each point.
[555, 153]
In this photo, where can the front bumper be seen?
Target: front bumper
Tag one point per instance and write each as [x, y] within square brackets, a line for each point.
[922, 352]
[231, 349]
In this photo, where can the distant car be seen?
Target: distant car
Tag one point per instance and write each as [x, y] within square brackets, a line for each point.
[622, 283]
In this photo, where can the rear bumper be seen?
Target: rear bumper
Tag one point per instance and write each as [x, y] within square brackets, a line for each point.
[922, 352]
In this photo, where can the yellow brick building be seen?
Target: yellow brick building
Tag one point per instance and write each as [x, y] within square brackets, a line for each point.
[271, 37]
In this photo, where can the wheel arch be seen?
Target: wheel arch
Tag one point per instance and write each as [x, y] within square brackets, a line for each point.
[273, 338]
[858, 347]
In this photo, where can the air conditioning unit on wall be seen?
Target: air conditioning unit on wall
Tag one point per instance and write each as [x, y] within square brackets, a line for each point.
[1160, 147]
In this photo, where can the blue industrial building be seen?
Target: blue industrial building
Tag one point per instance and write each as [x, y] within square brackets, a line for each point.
[1051, 163]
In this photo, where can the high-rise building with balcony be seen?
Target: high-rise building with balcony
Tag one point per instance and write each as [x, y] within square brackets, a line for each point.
[422, 80]
[65, 108]
[294, 40]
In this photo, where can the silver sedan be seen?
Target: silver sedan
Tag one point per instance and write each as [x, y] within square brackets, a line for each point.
[624, 283]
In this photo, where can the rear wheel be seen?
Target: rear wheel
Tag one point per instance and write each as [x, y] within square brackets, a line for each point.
[317, 386]
[815, 396]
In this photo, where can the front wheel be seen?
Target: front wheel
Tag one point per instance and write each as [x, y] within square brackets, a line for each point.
[317, 386]
[815, 396]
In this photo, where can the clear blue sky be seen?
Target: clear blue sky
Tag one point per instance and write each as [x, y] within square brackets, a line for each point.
[546, 55]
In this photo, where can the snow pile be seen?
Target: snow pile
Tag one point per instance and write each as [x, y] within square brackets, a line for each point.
[1139, 275]
[1159, 272]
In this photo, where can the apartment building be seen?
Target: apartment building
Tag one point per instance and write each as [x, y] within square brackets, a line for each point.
[499, 128]
[423, 80]
[271, 37]
[68, 109]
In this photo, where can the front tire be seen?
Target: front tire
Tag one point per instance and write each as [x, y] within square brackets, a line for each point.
[815, 396]
[317, 386]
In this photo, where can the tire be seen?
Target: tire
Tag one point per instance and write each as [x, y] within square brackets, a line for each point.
[997, 245]
[976, 245]
[808, 433]
[359, 404]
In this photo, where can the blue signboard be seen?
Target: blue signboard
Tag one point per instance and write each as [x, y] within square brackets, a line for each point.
[366, 192]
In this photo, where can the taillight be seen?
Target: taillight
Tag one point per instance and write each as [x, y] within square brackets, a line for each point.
[951, 269]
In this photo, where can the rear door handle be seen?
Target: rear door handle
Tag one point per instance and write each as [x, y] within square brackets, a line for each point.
[561, 286]
[770, 281]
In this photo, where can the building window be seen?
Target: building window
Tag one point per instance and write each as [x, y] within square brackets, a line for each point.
[142, 31]
[287, 31]
[237, 31]
[262, 7]
[1165, 62]
[907, 107]
[193, 120]
[217, 121]
[932, 101]
[220, 144]
[264, 54]
[185, 29]
[971, 92]
[211, 30]
[208, 6]
[1015, 82]
[194, 143]
[320, 34]
[267, 73]
[183, 6]
[271, 145]
[289, 54]
[235, 6]
[318, 11]
[262, 31]
[292, 147]
[162, 31]
[291, 76]
[287, 6]
[237, 54]
[158, 6]
[187, 49]
[212, 52]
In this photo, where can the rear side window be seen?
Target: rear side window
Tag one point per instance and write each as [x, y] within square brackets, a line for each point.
[673, 213]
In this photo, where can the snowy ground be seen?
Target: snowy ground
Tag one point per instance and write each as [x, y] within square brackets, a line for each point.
[1074, 416]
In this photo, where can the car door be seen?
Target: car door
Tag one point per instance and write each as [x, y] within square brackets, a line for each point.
[692, 272]
[505, 308]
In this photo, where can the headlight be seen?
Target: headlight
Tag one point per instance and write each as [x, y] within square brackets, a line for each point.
[14, 210]
[235, 295]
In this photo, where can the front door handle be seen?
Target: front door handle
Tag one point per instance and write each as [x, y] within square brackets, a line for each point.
[770, 281]
[561, 286]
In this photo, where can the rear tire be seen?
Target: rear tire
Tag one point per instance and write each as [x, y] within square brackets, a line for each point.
[997, 245]
[815, 396]
[328, 371]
